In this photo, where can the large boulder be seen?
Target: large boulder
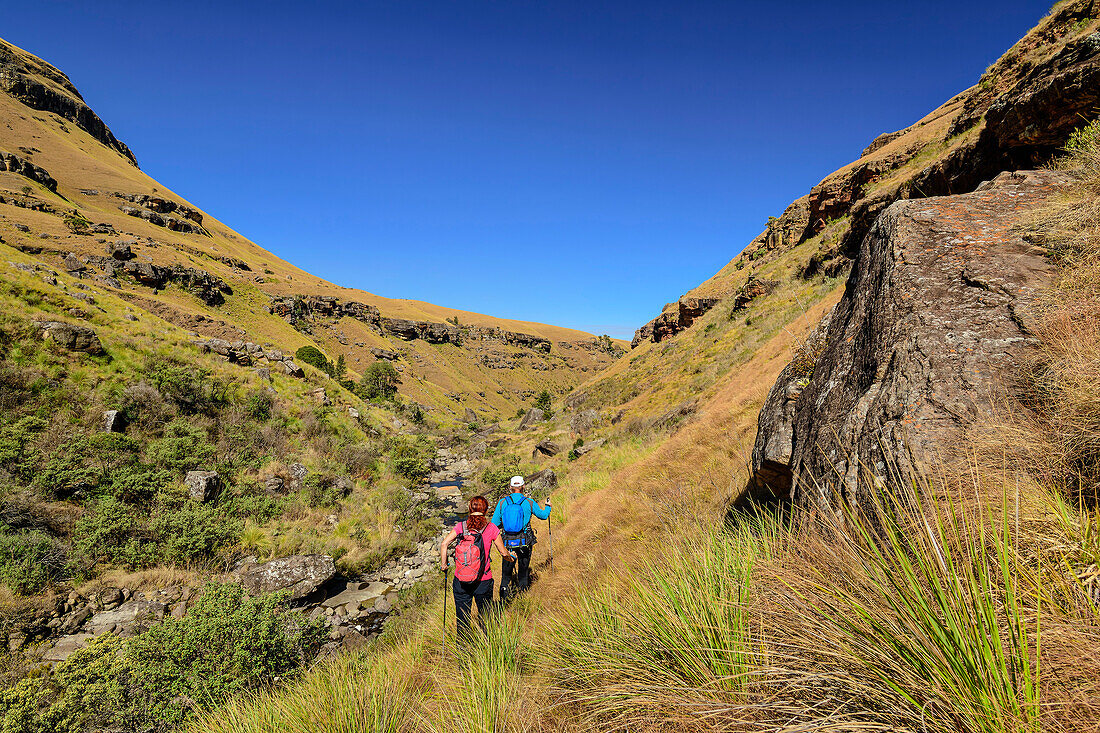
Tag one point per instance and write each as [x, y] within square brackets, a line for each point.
[541, 483]
[938, 311]
[533, 416]
[299, 575]
[129, 618]
[546, 448]
[71, 336]
[202, 485]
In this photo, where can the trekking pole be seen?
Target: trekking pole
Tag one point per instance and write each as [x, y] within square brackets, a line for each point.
[550, 531]
[445, 573]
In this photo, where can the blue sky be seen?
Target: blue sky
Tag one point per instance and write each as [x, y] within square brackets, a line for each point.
[577, 163]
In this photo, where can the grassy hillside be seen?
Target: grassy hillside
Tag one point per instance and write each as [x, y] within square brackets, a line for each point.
[487, 374]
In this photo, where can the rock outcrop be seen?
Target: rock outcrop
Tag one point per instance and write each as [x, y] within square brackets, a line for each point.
[71, 336]
[936, 313]
[673, 319]
[27, 169]
[23, 76]
[298, 575]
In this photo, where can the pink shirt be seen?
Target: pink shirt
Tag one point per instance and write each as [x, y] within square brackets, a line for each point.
[488, 534]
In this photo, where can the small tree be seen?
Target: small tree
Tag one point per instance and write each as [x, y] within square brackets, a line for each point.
[544, 400]
[312, 355]
[379, 381]
[341, 369]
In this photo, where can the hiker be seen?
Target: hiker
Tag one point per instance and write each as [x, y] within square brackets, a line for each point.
[513, 516]
[473, 580]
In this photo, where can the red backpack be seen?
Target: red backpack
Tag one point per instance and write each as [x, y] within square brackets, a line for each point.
[470, 556]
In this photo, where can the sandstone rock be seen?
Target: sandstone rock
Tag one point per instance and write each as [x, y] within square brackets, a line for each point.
[469, 416]
[293, 369]
[674, 318]
[114, 421]
[319, 396]
[71, 336]
[202, 485]
[65, 646]
[938, 310]
[534, 415]
[583, 421]
[298, 574]
[356, 598]
[546, 448]
[589, 446]
[127, 618]
[541, 483]
[120, 251]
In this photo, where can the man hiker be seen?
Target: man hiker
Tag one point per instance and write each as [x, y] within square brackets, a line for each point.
[513, 517]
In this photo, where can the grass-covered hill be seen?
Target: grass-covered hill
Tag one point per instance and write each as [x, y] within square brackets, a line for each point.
[70, 189]
[968, 603]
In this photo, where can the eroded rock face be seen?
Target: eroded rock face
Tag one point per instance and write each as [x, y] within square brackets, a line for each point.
[20, 75]
[936, 313]
[71, 336]
[300, 575]
[673, 319]
[27, 169]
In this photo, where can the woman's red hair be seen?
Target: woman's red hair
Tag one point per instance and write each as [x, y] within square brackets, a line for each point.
[479, 506]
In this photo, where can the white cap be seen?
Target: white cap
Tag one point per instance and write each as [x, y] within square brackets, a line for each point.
[516, 482]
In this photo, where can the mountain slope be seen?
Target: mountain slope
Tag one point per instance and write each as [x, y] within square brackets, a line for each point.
[69, 187]
[1017, 116]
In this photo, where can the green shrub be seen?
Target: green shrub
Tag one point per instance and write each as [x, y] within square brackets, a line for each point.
[259, 405]
[495, 478]
[86, 462]
[227, 644]
[312, 355]
[193, 532]
[544, 401]
[29, 560]
[103, 531]
[17, 455]
[192, 389]
[412, 459]
[322, 490]
[379, 381]
[184, 447]
[1085, 138]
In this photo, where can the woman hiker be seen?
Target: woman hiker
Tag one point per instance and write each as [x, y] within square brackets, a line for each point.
[473, 572]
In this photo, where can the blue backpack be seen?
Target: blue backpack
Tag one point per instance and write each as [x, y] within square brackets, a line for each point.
[512, 516]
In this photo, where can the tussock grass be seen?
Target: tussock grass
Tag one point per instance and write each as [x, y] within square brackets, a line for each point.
[355, 694]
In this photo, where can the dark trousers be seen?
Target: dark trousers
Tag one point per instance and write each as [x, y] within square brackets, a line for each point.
[465, 595]
[516, 576]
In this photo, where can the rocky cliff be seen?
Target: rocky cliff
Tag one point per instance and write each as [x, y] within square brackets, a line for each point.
[1017, 115]
[938, 312]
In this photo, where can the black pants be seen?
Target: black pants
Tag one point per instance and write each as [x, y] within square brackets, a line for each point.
[465, 595]
[516, 576]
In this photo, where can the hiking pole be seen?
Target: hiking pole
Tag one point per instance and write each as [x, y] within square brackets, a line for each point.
[550, 531]
[445, 572]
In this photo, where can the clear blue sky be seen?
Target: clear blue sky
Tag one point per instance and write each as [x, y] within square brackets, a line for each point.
[572, 162]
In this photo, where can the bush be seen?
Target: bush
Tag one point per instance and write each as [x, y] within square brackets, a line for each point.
[544, 401]
[259, 405]
[102, 532]
[29, 560]
[193, 532]
[17, 455]
[379, 382]
[495, 478]
[312, 355]
[412, 459]
[190, 388]
[227, 644]
[86, 462]
[326, 491]
[184, 447]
